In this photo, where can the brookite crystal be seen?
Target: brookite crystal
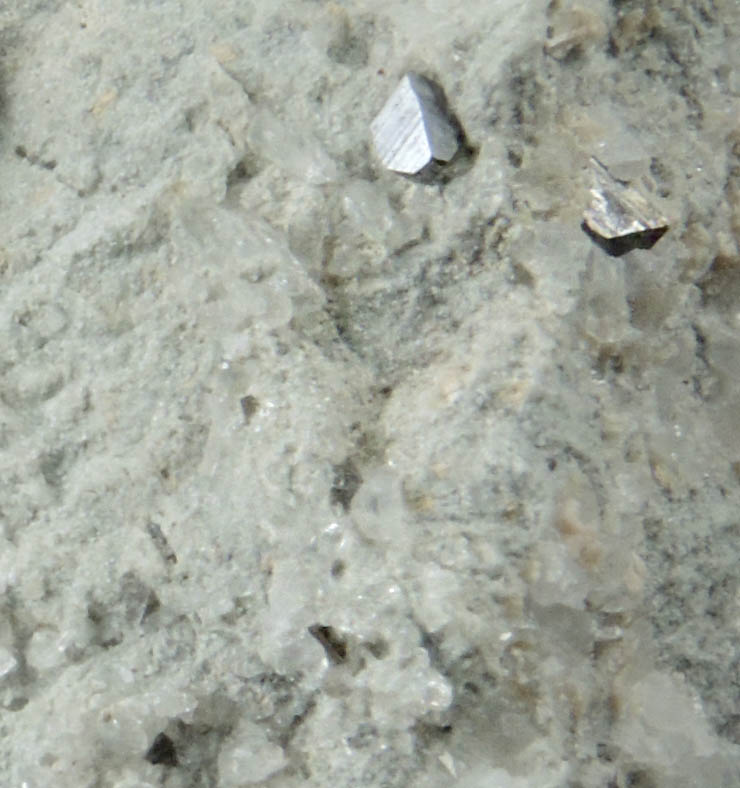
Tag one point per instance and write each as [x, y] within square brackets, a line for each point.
[413, 127]
[618, 211]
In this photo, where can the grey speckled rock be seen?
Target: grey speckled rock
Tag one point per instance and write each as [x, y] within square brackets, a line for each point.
[318, 478]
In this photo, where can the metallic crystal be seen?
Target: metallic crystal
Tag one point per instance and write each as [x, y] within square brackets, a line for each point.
[617, 210]
[413, 127]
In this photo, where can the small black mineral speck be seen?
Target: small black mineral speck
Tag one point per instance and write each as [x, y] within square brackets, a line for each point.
[250, 405]
[334, 645]
[162, 751]
[161, 543]
[152, 605]
[347, 481]
[16, 704]
[378, 648]
[338, 568]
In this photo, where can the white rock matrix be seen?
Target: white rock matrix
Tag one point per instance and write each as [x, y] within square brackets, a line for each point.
[314, 474]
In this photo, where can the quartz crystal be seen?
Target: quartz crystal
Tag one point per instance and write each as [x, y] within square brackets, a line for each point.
[413, 127]
[619, 215]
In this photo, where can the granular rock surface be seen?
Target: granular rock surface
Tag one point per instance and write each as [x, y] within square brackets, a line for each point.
[313, 474]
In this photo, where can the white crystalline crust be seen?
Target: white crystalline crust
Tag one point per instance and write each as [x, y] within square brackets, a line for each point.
[336, 478]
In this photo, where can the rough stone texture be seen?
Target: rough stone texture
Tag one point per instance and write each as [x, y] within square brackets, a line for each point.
[328, 477]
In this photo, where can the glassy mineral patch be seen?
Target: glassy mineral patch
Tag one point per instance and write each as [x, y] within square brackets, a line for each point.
[413, 128]
[619, 218]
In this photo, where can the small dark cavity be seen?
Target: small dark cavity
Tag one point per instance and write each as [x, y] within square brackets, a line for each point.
[139, 599]
[151, 606]
[250, 405]
[161, 543]
[338, 568]
[514, 157]
[720, 284]
[730, 729]
[95, 612]
[16, 704]
[52, 467]
[349, 50]
[379, 648]
[552, 463]
[347, 481]
[21, 152]
[162, 751]
[574, 54]
[521, 275]
[429, 732]
[364, 736]
[660, 171]
[191, 116]
[640, 778]
[616, 247]
[605, 752]
[440, 173]
[298, 719]
[350, 42]
[333, 643]
[609, 362]
[245, 169]
[431, 643]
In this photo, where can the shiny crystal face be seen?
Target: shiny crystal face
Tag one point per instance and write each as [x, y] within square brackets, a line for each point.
[412, 129]
[618, 210]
